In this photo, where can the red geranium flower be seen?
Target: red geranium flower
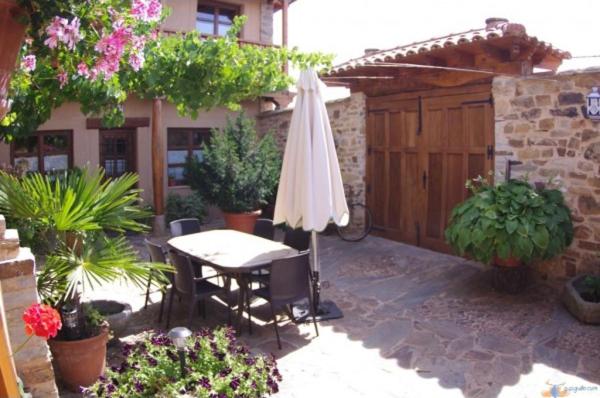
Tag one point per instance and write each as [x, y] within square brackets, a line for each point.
[42, 320]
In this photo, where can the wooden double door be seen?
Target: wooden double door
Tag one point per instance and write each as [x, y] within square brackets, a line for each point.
[421, 150]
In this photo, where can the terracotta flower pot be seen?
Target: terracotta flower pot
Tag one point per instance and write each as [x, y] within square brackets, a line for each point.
[243, 222]
[12, 31]
[507, 262]
[80, 362]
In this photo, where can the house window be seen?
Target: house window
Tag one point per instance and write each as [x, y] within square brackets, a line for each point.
[215, 19]
[44, 151]
[183, 143]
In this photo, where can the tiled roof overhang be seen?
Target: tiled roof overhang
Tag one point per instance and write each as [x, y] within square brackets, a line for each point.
[503, 37]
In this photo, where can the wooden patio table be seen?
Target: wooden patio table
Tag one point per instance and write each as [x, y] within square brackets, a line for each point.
[233, 253]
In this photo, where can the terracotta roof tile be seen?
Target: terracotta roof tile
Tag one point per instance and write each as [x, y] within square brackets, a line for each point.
[498, 30]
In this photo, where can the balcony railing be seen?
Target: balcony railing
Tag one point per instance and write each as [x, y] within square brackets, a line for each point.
[243, 42]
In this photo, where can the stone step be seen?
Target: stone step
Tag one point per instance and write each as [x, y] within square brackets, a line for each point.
[9, 245]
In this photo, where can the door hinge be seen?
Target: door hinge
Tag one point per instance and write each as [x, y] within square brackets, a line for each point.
[490, 152]
[489, 100]
[369, 188]
[424, 179]
[369, 149]
[420, 108]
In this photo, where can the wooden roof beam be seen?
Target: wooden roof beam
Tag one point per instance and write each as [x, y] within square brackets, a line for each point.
[499, 54]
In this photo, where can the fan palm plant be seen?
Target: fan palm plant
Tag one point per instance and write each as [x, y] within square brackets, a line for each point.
[81, 215]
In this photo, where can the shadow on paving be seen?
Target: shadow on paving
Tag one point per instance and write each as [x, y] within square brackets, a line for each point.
[433, 314]
[438, 315]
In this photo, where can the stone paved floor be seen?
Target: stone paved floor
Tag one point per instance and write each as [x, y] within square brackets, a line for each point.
[417, 324]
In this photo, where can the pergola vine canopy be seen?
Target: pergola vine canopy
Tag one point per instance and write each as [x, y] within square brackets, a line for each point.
[97, 53]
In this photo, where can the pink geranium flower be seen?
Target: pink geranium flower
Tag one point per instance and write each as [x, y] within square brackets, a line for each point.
[55, 32]
[63, 31]
[63, 78]
[28, 63]
[83, 70]
[146, 10]
[136, 60]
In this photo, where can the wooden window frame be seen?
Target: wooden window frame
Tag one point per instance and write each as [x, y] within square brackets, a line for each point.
[190, 147]
[40, 153]
[133, 156]
[237, 8]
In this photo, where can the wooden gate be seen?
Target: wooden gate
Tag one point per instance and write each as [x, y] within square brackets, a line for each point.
[422, 148]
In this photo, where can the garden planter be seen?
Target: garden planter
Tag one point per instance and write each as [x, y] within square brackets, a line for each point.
[80, 362]
[243, 222]
[507, 262]
[116, 313]
[510, 279]
[585, 311]
[12, 30]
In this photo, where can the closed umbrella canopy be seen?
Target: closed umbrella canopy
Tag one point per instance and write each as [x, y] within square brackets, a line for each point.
[311, 192]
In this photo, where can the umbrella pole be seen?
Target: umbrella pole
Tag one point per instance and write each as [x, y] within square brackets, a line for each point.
[316, 269]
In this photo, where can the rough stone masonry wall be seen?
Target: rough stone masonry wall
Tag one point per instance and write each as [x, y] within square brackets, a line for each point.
[348, 124]
[17, 278]
[540, 120]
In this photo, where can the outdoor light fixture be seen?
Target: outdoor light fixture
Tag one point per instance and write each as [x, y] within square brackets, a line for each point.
[593, 104]
[179, 337]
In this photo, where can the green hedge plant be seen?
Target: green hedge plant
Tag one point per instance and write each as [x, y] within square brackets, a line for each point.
[239, 169]
[510, 220]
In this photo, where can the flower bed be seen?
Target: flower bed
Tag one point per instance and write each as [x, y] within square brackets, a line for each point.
[216, 366]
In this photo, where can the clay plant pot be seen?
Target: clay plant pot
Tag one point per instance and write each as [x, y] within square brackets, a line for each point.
[80, 362]
[13, 24]
[507, 262]
[243, 222]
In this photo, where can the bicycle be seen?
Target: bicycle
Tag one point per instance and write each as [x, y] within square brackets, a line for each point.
[359, 225]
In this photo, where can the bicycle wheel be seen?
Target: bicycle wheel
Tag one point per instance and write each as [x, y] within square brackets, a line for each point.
[360, 223]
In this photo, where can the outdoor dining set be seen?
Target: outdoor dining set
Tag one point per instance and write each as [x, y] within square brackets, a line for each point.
[278, 272]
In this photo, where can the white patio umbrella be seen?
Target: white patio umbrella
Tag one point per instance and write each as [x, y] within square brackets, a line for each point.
[311, 192]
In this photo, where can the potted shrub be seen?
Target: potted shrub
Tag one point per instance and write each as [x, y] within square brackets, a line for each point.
[238, 173]
[582, 298]
[509, 225]
[215, 366]
[81, 217]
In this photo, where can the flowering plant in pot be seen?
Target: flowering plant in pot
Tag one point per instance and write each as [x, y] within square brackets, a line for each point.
[215, 366]
[510, 224]
[80, 217]
[238, 172]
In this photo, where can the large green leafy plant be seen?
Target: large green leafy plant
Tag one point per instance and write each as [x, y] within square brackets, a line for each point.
[81, 216]
[510, 220]
[239, 170]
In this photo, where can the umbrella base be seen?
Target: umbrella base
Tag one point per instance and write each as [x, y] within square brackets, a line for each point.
[327, 310]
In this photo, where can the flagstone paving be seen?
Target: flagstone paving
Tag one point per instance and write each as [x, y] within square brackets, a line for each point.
[416, 323]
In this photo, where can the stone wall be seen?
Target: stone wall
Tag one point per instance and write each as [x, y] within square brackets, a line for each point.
[17, 278]
[348, 123]
[540, 120]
